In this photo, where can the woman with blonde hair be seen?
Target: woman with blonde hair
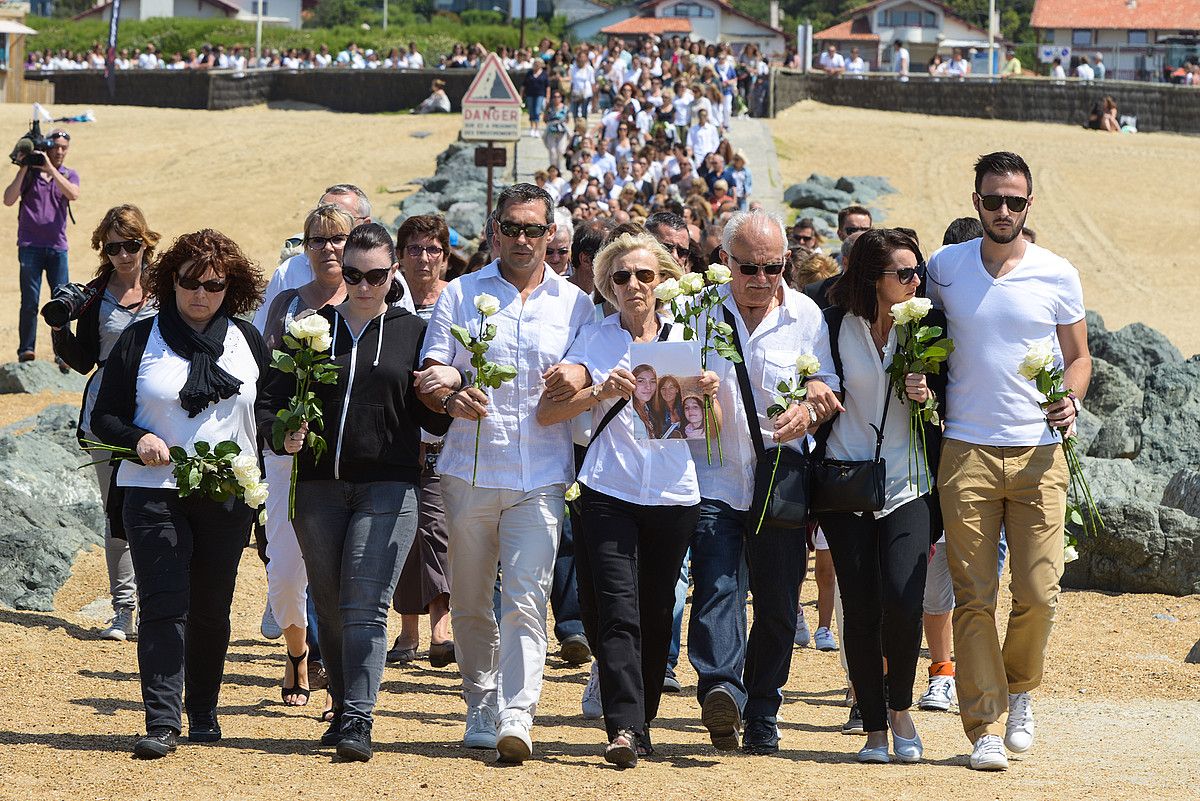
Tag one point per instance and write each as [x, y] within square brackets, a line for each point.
[639, 497]
[126, 245]
[808, 268]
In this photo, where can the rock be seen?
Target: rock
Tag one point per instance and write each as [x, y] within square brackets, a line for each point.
[1167, 618]
[1193, 657]
[49, 510]
[1087, 426]
[1183, 492]
[1115, 480]
[822, 180]
[466, 218]
[1171, 419]
[828, 218]
[1135, 350]
[865, 188]
[811, 195]
[420, 203]
[467, 193]
[1111, 389]
[1118, 403]
[38, 376]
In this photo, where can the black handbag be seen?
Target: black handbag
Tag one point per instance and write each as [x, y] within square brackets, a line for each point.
[785, 499]
[852, 486]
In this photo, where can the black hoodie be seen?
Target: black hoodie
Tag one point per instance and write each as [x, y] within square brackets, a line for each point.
[372, 417]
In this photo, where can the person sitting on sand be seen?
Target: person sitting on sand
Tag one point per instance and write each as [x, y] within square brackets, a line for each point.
[1103, 116]
[437, 102]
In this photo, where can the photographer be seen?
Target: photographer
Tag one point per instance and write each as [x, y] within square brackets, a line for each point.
[102, 310]
[45, 188]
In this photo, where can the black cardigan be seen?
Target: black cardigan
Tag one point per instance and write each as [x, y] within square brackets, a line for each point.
[379, 437]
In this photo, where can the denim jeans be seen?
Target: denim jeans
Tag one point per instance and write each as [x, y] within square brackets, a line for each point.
[535, 105]
[355, 538]
[681, 588]
[581, 108]
[564, 593]
[717, 629]
[35, 261]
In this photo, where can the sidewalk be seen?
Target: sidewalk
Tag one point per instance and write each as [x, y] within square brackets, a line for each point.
[751, 135]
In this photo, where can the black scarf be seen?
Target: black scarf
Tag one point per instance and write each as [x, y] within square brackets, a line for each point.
[207, 383]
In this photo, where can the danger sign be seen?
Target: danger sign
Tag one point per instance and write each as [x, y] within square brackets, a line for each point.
[491, 107]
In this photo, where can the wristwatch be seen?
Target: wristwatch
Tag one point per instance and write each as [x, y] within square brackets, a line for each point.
[1076, 402]
[596, 389]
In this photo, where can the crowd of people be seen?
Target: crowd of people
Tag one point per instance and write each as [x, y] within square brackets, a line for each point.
[436, 497]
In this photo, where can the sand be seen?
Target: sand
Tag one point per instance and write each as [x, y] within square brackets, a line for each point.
[1124, 209]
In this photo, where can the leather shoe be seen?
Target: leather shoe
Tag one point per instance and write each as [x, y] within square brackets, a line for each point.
[156, 743]
[720, 715]
[333, 735]
[575, 650]
[441, 654]
[761, 736]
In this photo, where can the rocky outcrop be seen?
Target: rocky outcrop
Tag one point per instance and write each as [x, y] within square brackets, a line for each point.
[38, 376]
[457, 188]
[821, 197]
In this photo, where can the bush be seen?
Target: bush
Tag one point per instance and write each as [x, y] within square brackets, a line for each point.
[480, 17]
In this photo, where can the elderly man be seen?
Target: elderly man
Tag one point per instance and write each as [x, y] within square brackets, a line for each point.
[558, 251]
[507, 507]
[774, 324]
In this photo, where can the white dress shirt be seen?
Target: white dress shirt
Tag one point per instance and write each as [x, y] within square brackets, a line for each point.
[796, 327]
[647, 472]
[703, 139]
[515, 451]
[295, 273]
[853, 438]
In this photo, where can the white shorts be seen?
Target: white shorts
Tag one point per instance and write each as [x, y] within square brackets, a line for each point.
[819, 541]
[939, 589]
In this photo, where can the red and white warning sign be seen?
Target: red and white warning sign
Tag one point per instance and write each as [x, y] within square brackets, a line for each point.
[491, 107]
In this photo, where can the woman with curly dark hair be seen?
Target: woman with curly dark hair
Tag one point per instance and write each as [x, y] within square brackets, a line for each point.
[191, 373]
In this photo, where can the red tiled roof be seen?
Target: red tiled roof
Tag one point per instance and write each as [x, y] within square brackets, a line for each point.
[649, 26]
[852, 30]
[1117, 14]
[726, 7]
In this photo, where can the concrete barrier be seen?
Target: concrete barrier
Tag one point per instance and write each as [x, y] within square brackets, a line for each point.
[1158, 107]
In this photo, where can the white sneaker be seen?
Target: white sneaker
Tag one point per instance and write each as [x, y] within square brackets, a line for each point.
[592, 708]
[823, 640]
[269, 628]
[1018, 732]
[512, 741]
[481, 727]
[121, 627]
[940, 695]
[988, 754]
[803, 635]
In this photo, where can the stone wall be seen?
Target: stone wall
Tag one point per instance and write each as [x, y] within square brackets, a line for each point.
[1158, 107]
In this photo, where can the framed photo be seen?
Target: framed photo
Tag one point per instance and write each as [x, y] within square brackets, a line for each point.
[667, 401]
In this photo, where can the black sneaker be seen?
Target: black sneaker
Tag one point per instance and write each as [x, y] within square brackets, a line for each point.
[720, 715]
[761, 736]
[855, 724]
[575, 650]
[333, 735]
[157, 743]
[355, 744]
[670, 683]
[203, 727]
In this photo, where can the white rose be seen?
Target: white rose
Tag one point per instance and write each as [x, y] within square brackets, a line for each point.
[900, 313]
[308, 327]
[667, 291]
[262, 516]
[920, 307]
[1037, 358]
[807, 364]
[245, 469]
[718, 274]
[691, 283]
[321, 343]
[572, 492]
[1070, 554]
[487, 304]
[255, 495]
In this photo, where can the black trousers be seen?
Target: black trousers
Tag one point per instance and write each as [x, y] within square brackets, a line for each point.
[627, 560]
[880, 567]
[185, 554]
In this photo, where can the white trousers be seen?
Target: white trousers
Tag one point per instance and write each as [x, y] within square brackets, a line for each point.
[502, 667]
[287, 580]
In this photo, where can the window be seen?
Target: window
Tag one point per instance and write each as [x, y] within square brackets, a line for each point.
[900, 18]
[254, 7]
[1139, 37]
[1049, 37]
[928, 20]
[1081, 38]
[690, 10]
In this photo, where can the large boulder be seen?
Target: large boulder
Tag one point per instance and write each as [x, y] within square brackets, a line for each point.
[467, 193]
[38, 376]
[865, 188]
[822, 180]
[1118, 403]
[811, 195]
[421, 203]
[467, 218]
[1135, 350]
[1116, 480]
[1171, 419]
[49, 509]
[1183, 492]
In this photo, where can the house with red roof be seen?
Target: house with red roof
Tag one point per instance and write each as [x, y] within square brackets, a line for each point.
[707, 20]
[278, 12]
[925, 26]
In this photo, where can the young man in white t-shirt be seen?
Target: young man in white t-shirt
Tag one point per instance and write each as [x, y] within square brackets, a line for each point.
[832, 62]
[1002, 460]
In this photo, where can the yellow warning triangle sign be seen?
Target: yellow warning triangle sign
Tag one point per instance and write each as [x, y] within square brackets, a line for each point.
[492, 86]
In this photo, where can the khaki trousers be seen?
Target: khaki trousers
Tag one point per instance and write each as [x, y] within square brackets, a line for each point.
[1024, 489]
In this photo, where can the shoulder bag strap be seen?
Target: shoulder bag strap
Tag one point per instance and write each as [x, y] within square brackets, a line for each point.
[887, 402]
[663, 333]
[744, 387]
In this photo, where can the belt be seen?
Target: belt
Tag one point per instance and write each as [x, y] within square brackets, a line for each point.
[432, 447]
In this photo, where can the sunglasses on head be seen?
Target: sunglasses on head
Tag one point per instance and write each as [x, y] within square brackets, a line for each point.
[644, 276]
[904, 275]
[293, 242]
[128, 245]
[319, 242]
[752, 269]
[532, 231]
[1015, 203]
[434, 251]
[191, 284]
[374, 277]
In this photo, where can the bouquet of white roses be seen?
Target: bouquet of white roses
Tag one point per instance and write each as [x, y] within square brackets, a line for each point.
[702, 297]
[487, 375]
[1038, 366]
[309, 340]
[919, 349]
[790, 392]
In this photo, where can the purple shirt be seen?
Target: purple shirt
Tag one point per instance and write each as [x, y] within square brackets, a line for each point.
[42, 222]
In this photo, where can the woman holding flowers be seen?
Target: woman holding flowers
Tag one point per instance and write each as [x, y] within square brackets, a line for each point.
[356, 506]
[640, 497]
[325, 232]
[880, 556]
[188, 376]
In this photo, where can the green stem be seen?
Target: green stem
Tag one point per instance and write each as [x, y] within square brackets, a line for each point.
[770, 486]
[707, 434]
[475, 471]
[292, 486]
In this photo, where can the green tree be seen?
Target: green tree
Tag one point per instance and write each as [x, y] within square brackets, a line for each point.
[331, 13]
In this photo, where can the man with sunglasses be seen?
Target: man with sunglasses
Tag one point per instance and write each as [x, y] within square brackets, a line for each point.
[45, 192]
[510, 510]
[774, 325]
[1002, 460]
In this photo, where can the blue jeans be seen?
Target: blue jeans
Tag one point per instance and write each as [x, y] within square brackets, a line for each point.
[35, 261]
[581, 108]
[681, 588]
[717, 629]
[355, 538]
[564, 594]
[535, 105]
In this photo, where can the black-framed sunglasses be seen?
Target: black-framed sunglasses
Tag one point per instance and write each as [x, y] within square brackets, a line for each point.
[532, 231]
[678, 250]
[560, 252]
[644, 276]
[128, 245]
[752, 269]
[1015, 203]
[293, 242]
[855, 229]
[415, 251]
[374, 277]
[803, 239]
[212, 286]
[319, 242]
[904, 275]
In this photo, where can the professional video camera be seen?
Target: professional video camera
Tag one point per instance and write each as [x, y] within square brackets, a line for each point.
[30, 150]
[70, 301]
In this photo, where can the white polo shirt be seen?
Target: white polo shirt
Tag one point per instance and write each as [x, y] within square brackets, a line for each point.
[994, 322]
[619, 463]
[515, 451]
